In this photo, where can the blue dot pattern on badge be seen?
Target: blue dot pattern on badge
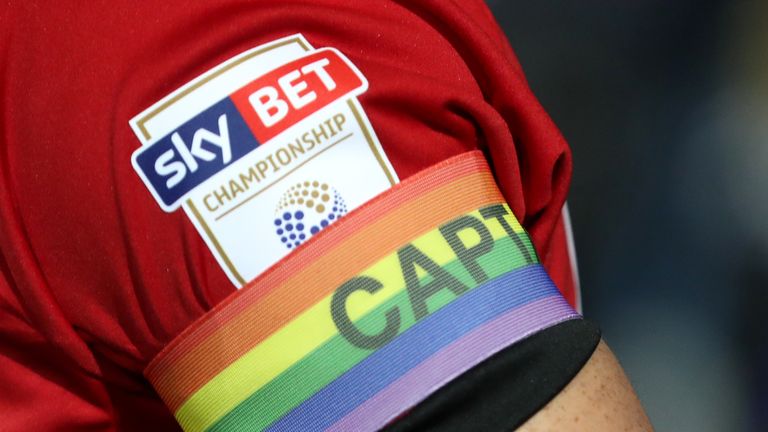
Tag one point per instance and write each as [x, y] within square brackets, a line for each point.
[305, 209]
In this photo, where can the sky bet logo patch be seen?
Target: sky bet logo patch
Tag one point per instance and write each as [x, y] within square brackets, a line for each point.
[234, 126]
[227, 146]
[192, 154]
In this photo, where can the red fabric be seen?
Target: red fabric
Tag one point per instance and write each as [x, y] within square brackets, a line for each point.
[96, 278]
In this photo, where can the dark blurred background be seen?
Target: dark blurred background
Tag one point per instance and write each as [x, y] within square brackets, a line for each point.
[665, 105]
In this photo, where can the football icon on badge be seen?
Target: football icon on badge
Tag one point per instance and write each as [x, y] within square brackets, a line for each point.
[305, 209]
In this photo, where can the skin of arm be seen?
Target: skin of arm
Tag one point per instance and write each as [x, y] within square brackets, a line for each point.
[600, 398]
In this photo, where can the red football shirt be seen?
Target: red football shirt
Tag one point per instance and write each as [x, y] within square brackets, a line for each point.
[95, 278]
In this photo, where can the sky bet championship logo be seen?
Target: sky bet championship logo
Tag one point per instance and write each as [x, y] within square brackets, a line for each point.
[305, 209]
[246, 135]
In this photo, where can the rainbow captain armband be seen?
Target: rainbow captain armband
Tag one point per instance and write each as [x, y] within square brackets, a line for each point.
[370, 317]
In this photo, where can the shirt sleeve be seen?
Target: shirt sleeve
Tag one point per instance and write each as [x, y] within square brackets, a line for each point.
[97, 279]
[42, 389]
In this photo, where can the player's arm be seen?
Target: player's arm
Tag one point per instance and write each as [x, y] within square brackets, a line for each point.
[599, 398]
